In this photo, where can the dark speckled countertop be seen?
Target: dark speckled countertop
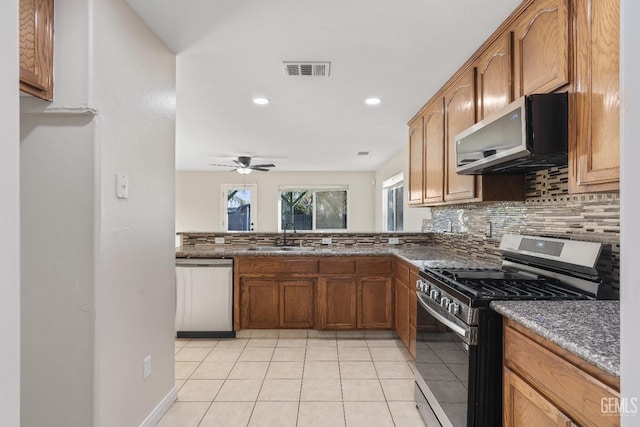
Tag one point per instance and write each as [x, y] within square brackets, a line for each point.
[588, 329]
[432, 256]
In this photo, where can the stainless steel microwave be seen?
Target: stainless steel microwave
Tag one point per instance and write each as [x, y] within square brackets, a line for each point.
[528, 134]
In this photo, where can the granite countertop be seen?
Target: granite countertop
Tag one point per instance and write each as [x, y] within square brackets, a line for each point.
[419, 255]
[588, 329]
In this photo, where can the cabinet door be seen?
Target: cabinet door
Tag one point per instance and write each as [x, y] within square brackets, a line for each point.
[597, 99]
[259, 301]
[434, 152]
[375, 303]
[296, 303]
[36, 48]
[495, 80]
[541, 36]
[402, 311]
[337, 303]
[524, 406]
[416, 156]
[459, 115]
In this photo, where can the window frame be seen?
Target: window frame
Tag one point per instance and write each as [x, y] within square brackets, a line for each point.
[314, 189]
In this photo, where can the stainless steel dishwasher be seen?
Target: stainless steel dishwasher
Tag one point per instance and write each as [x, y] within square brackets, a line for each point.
[204, 298]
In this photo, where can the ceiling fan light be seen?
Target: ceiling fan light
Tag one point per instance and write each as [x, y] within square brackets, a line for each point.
[244, 171]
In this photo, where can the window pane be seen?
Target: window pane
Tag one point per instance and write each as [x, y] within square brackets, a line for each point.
[238, 210]
[297, 209]
[390, 210]
[399, 205]
[331, 210]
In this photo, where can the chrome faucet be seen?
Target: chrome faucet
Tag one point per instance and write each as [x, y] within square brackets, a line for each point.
[284, 232]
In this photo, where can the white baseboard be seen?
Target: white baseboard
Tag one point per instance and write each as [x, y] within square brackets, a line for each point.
[162, 407]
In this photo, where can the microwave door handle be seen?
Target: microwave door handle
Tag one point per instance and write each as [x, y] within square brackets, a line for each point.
[448, 323]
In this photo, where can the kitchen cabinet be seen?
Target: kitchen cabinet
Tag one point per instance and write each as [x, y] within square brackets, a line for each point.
[541, 48]
[337, 301]
[495, 77]
[416, 162]
[36, 48]
[260, 304]
[405, 277]
[544, 385]
[308, 292]
[434, 152]
[460, 114]
[594, 128]
[375, 303]
[273, 303]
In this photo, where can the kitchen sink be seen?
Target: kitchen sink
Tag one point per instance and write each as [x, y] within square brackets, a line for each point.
[280, 249]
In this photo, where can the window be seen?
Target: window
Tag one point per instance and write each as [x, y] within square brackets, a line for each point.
[313, 208]
[239, 207]
[392, 199]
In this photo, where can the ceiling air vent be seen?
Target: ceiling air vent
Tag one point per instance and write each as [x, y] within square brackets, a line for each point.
[317, 69]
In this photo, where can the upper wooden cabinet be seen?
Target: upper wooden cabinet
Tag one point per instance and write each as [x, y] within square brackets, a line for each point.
[541, 48]
[416, 161]
[594, 152]
[495, 77]
[36, 48]
[460, 113]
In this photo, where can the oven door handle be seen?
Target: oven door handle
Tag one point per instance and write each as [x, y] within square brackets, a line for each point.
[464, 333]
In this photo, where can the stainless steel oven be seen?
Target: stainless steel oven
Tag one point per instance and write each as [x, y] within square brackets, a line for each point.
[457, 363]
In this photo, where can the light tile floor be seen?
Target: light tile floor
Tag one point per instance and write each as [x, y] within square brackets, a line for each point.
[294, 378]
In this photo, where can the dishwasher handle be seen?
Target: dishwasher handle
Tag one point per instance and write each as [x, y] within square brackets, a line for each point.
[204, 262]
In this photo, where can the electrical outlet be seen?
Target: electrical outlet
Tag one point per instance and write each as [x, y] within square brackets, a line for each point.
[449, 227]
[218, 240]
[326, 240]
[146, 369]
[393, 240]
[487, 231]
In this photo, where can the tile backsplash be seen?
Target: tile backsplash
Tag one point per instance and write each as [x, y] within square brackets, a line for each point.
[549, 210]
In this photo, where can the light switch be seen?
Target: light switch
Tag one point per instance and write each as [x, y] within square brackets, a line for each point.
[122, 186]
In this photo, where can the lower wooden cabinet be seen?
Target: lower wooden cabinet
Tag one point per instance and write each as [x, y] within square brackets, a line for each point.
[259, 303]
[297, 303]
[331, 293]
[375, 303]
[272, 303]
[405, 277]
[355, 303]
[402, 311]
[337, 300]
[544, 385]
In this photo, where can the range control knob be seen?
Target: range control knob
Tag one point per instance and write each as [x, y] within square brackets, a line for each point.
[422, 286]
[434, 294]
[453, 308]
[445, 302]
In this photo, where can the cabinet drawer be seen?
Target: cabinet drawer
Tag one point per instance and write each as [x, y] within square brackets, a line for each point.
[270, 266]
[574, 391]
[374, 266]
[337, 266]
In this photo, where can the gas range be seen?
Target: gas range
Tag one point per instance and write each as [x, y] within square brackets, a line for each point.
[459, 338]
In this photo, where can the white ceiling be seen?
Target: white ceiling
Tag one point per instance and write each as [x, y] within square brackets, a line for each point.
[229, 51]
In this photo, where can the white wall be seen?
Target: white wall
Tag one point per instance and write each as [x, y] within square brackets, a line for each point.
[198, 197]
[630, 206]
[98, 272]
[9, 218]
[134, 90]
[412, 216]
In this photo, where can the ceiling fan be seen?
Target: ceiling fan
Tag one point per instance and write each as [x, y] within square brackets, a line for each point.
[244, 166]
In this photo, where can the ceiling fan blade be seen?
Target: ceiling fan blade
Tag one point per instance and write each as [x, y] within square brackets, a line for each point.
[222, 166]
[270, 165]
[255, 168]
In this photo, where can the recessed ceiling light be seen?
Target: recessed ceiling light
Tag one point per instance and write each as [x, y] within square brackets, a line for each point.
[259, 100]
[372, 101]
